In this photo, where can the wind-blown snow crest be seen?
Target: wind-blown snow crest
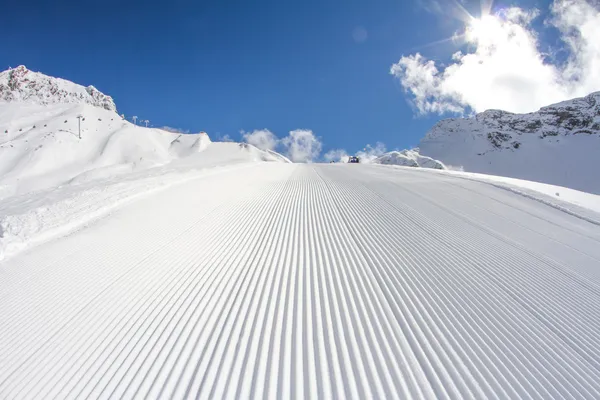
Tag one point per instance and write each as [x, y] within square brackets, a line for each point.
[43, 146]
[408, 158]
[558, 144]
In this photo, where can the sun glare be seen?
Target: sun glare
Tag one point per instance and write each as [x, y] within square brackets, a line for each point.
[482, 29]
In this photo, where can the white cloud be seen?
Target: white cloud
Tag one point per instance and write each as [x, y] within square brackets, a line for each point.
[301, 146]
[224, 138]
[506, 69]
[264, 139]
[366, 155]
[370, 153]
[337, 155]
[518, 15]
[579, 23]
[174, 130]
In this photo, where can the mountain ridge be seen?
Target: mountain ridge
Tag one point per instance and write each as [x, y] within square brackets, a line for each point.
[557, 144]
[23, 85]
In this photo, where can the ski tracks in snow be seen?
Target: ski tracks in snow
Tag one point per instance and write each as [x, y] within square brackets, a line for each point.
[309, 281]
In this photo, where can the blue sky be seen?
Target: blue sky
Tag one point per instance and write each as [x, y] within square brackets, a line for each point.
[226, 66]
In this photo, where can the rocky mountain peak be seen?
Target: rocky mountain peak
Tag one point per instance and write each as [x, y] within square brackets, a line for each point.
[557, 144]
[22, 84]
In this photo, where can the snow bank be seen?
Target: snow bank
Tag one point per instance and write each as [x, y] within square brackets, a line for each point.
[408, 158]
[583, 205]
[39, 216]
[556, 196]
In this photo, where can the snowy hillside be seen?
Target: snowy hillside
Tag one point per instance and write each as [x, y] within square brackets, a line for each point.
[408, 158]
[558, 144]
[41, 147]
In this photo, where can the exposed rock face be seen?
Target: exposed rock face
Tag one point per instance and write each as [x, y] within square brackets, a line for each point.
[21, 84]
[559, 144]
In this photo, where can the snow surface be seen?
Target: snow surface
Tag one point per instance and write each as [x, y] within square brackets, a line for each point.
[580, 204]
[287, 280]
[558, 144]
[35, 217]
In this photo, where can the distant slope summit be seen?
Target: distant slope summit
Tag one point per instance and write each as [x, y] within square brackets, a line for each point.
[21, 84]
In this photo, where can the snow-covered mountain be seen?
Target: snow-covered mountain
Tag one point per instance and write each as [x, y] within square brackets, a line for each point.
[408, 158]
[41, 147]
[21, 84]
[559, 144]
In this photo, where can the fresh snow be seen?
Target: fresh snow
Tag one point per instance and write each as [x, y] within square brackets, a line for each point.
[289, 280]
[42, 149]
[557, 145]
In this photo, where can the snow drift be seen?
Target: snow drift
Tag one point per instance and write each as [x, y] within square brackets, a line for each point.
[408, 158]
[558, 144]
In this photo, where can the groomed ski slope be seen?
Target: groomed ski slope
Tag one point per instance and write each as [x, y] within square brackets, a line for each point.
[329, 281]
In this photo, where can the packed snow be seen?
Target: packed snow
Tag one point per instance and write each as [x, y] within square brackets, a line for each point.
[141, 263]
[557, 145]
[309, 281]
[579, 204]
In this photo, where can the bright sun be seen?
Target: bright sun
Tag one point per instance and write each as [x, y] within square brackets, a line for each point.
[482, 29]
